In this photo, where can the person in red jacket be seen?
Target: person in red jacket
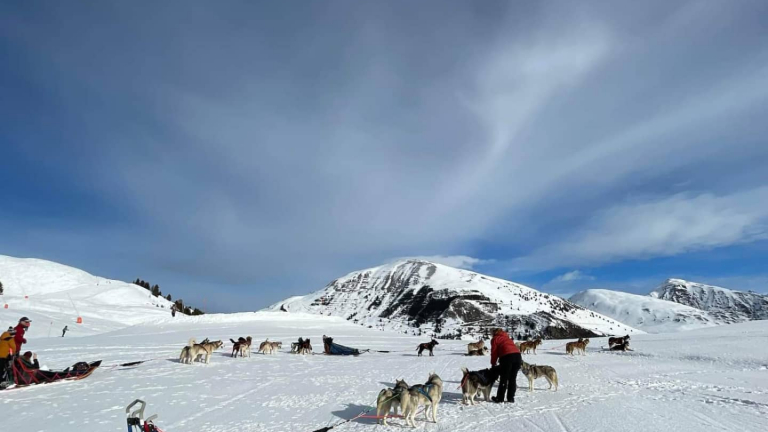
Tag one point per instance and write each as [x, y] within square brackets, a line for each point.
[510, 361]
[20, 330]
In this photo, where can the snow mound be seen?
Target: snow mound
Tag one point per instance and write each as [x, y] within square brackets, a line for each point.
[54, 295]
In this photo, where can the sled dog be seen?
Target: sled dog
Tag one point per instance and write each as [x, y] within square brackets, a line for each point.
[621, 347]
[525, 347]
[242, 346]
[268, 347]
[477, 381]
[392, 398]
[481, 352]
[617, 340]
[427, 395]
[301, 347]
[475, 346]
[581, 345]
[195, 351]
[533, 372]
[427, 346]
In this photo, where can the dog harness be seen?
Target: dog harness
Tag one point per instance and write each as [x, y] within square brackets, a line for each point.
[421, 390]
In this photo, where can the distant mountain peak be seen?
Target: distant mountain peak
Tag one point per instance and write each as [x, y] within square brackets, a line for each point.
[732, 304]
[418, 296]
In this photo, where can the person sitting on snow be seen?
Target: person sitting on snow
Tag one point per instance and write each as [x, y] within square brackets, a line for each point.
[30, 360]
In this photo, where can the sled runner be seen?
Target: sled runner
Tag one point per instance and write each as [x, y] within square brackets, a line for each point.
[24, 376]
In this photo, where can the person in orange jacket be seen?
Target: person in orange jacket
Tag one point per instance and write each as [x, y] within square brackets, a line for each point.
[7, 350]
[504, 350]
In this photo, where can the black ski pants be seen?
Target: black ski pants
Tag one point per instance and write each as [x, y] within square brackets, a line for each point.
[509, 366]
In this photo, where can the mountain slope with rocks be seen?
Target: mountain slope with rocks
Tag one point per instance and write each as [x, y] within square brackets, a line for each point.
[420, 297]
[728, 305]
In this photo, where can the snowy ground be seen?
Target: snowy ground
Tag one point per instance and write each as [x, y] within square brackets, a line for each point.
[710, 379]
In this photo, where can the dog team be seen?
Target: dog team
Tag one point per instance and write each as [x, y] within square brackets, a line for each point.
[242, 346]
[506, 362]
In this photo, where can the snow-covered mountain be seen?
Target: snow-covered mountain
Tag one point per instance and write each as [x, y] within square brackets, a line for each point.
[728, 305]
[647, 313]
[676, 305]
[416, 296]
[54, 295]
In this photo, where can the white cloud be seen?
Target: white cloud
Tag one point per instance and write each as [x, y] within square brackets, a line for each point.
[664, 227]
[457, 261]
[572, 276]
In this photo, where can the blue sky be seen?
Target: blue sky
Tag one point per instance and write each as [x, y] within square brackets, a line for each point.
[240, 152]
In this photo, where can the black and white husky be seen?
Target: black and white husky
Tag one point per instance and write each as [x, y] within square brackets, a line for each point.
[533, 372]
[392, 398]
[477, 381]
[427, 395]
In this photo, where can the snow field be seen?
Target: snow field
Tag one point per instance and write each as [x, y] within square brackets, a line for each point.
[710, 379]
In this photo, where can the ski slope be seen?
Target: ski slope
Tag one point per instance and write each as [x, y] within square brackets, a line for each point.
[54, 295]
[709, 379]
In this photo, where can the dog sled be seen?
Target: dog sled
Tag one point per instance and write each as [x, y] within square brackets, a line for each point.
[332, 348]
[24, 376]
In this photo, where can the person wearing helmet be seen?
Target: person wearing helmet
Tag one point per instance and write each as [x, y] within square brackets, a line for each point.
[21, 328]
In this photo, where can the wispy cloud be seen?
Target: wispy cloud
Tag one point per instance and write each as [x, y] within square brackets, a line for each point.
[331, 138]
[457, 261]
[571, 276]
[662, 227]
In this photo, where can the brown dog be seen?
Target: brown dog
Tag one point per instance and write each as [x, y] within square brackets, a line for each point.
[242, 346]
[581, 345]
[530, 346]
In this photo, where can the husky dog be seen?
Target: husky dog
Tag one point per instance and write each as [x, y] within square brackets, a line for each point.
[392, 398]
[186, 355]
[525, 347]
[475, 346]
[581, 345]
[242, 346]
[532, 372]
[304, 347]
[427, 346]
[477, 381]
[205, 349]
[194, 351]
[428, 395]
[268, 347]
[621, 347]
[480, 352]
[617, 340]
